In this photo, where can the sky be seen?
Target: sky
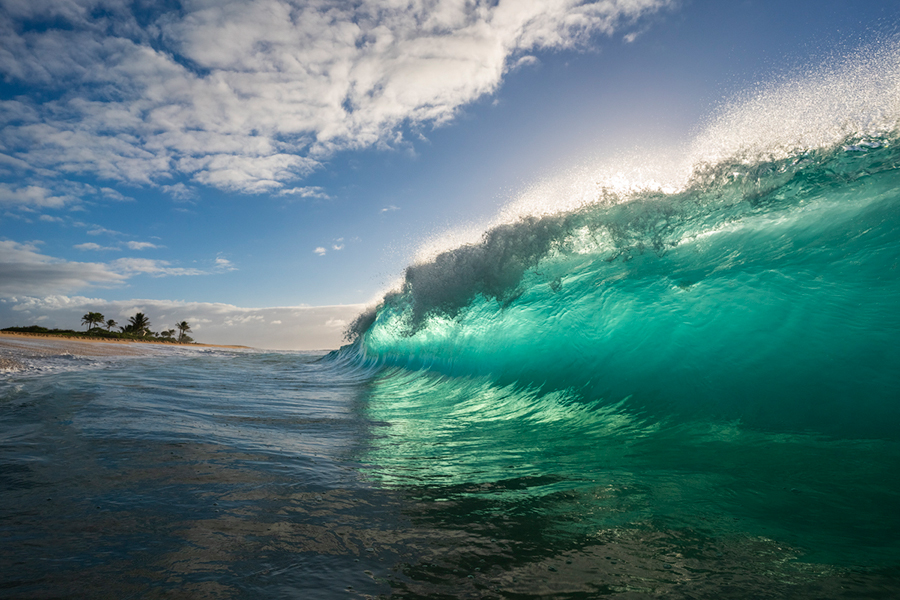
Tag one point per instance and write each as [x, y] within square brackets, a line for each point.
[265, 169]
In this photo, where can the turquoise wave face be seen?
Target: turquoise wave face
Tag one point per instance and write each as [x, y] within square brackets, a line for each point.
[723, 361]
[718, 363]
[766, 293]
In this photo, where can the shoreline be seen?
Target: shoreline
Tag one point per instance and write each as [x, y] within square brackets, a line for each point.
[96, 340]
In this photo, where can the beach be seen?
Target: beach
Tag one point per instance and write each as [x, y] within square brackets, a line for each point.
[75, 345]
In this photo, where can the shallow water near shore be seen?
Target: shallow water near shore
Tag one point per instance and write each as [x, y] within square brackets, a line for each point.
[246, 474]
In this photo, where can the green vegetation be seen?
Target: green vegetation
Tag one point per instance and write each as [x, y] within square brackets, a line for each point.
[138, 328]
[183, 328]
[91, 319]
[138, 325]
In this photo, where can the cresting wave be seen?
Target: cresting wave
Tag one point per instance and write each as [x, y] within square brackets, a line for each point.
[761, 281]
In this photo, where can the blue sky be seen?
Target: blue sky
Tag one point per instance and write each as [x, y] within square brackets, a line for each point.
[263, 169]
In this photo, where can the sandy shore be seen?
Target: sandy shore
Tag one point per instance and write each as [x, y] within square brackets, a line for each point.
[94, 340]
[14, 345]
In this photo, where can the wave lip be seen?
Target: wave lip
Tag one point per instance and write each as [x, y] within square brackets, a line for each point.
[778, 135]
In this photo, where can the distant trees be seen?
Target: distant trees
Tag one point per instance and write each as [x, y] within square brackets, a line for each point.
[138, 324]
[91, 319]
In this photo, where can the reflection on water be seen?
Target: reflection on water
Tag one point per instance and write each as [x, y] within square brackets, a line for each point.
[251, 475]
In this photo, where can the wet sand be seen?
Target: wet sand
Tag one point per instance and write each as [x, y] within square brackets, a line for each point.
[15, 346]
[79, 345]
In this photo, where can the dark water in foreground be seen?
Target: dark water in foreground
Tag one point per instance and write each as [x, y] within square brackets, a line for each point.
[219, 474]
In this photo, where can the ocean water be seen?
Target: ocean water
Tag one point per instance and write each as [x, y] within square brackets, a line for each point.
[681, 383]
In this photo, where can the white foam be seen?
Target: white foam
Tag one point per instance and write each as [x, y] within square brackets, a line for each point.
[853, 97]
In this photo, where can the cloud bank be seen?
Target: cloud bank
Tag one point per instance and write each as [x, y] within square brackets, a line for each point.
[249, 96]
[25, 270]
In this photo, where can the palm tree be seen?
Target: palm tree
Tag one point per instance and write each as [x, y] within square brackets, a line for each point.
[139, 324]
[110, 324]
[183, 328]
[91, 318]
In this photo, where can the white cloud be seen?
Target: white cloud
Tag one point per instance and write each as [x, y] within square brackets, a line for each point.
[288, 328]
[180, 192]
[312, 191]
[243, 318]
[112, 194]
[8, 164]
[45, 189]
[103, 231]
[526, 61]
[320, 251]
[390, 208]
[140, 245]
[23, 270]
[223, 264]
[92, 246]
[156, 268]
[263, 90]
[35, 196]
[338, 244]
[50, 219]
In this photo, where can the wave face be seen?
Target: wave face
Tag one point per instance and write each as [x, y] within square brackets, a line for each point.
[651, 352]
[764, 286]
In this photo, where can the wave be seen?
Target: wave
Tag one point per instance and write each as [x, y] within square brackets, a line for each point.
[758, 280]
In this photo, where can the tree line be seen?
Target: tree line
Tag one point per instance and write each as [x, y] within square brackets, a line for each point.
[137, 326]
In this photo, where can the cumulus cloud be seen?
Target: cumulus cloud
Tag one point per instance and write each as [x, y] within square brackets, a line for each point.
[44, 189]
[320, 251]
[250, 95]
[180, 192]
[111, 194]
[92, 246]
[34, 196]
[223, 264]
[311, 191]
[282, 328]
[103, 231]
[140, 245]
